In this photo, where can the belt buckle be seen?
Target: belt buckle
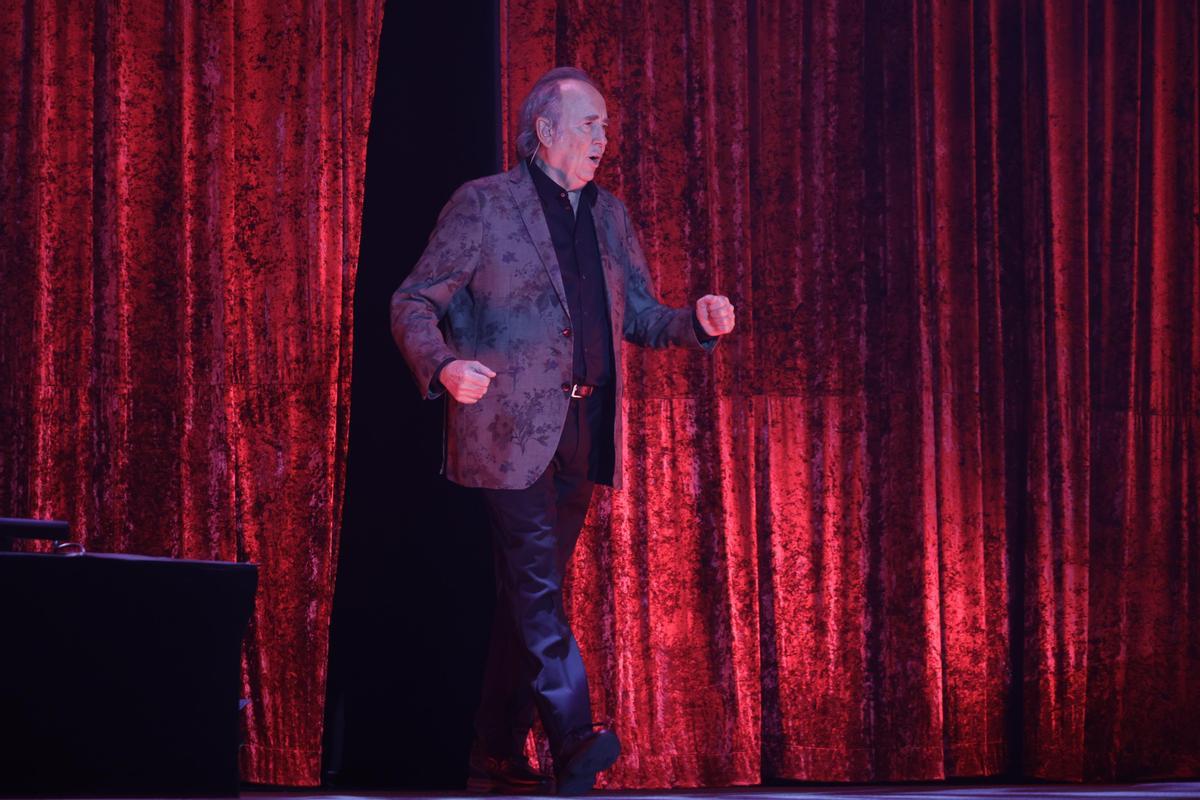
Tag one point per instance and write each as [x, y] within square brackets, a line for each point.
[577, 391]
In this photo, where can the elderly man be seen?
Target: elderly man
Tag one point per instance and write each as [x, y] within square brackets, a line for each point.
[536, 276]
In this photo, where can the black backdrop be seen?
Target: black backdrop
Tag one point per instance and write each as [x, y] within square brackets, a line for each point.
[414, 584]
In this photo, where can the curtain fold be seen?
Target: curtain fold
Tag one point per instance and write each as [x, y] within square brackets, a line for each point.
[932, 510]
[180, 200]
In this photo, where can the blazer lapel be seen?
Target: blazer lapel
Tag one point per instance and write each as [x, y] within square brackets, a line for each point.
[525, 196]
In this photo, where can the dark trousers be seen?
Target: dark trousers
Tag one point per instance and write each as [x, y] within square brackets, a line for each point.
[533, 660]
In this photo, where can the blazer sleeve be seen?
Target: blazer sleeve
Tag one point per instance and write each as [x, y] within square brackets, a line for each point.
[648, 322]
[446, 266]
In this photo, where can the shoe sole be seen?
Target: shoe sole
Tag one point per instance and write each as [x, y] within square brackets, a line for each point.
[580, 776]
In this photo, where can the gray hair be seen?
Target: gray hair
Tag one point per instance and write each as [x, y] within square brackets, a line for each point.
[545, 100]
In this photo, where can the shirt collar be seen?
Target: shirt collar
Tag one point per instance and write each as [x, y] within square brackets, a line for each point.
[547, 188]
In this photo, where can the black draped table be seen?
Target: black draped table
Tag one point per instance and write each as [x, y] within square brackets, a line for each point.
[121, 674]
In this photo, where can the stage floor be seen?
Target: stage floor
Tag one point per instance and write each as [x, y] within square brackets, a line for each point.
[1136, 791]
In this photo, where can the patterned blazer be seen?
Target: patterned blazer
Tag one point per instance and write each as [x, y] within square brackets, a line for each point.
[488, 288]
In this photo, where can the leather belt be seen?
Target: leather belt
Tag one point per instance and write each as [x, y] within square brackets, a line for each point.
[578, 390]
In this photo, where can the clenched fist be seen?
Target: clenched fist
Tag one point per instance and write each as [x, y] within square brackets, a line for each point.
[466, 381]
[714, 312]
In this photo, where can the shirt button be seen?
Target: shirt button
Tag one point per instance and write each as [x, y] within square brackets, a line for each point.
[566, 331]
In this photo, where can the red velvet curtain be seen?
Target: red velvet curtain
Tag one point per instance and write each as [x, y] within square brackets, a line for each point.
[180, 196]
[962, 239]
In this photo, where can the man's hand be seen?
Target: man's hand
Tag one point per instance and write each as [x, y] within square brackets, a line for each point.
[466, 381]
[714, 312]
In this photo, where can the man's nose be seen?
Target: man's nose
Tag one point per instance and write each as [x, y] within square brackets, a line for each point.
[601, 135]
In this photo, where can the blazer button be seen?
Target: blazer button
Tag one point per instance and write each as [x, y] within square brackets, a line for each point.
[566, 387]
[566, 331]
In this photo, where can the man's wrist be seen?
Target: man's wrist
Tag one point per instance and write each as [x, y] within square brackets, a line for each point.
[702, 335]
[435, 383]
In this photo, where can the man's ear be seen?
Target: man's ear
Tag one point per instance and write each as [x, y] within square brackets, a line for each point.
[545, 130]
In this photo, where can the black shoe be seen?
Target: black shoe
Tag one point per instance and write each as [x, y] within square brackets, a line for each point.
[504, 775]
[582, 755]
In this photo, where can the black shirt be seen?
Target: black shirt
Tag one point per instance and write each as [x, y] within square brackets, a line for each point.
[574, 235]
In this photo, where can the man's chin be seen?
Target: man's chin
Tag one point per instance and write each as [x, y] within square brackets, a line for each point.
[586, 174]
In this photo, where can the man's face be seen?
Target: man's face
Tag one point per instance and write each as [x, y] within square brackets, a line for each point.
[573, 145]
